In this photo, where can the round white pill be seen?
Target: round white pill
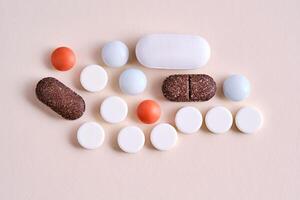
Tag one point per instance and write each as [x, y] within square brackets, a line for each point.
[248, 119]
[218, 119]
[90, 135]
[236, 87]
[131, 139]
[132, 81]
[115, 54]
[188, 120]
[93, 78]
[113, 109]
[163, 136]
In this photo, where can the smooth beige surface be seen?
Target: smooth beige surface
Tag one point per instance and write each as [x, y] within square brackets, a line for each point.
[40, 157]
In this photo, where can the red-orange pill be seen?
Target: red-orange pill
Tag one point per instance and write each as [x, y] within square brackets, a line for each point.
[148, 111]
[63, 58]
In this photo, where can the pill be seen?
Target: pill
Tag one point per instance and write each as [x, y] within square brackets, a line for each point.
[90, 135]
[188, 120]
[60, 98]
[63, 58]
[93, 78]
[248, 119]
[189, 87]
[131, 139]
[218, 119]
[172, 51]
[163, 136]
[113, 109]
[236, 87]
[132, 81]
[115, 54]
[148, 111]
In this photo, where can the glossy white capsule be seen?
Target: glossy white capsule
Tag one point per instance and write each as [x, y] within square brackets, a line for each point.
[172, 51]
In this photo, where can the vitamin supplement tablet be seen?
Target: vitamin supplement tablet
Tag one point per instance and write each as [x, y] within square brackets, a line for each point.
[148, 111]
[63, 58]
[218, 119]
[189, 87]
[115, 54]
[60, 98]
[188, 120]
[131, 139]
[248, 120]
[172, 51]
[132, 81]
[93, 78]
[236, 87]
[90, 135]
[163, 136]
[113, 109]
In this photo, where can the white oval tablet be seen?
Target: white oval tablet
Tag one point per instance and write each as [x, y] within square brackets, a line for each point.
[218, 119]
[113, 109]
[90, 135]
[93, 78]
[188, 120]
[172, 51]
[248, 120]
[131, 139]
[163, 136]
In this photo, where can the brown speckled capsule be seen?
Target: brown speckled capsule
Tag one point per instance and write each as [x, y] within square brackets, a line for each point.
[189, 87]
[60, 98]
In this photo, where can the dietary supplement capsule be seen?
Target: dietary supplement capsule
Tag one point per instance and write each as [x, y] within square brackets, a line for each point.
[189, 87]
[60, 98]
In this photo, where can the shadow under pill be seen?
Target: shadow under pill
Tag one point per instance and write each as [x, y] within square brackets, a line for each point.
[219, 92]
[73, 137]
[76, 79]
[47, 58]
[113, 141]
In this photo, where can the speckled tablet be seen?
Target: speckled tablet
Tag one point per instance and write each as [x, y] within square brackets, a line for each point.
[189, 87]
[60, 98]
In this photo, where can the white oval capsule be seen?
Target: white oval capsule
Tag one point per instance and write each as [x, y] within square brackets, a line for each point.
[172, 51]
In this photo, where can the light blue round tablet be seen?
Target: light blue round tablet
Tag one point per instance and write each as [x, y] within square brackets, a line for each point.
[132, 81]
[115, 54]
[236, 87]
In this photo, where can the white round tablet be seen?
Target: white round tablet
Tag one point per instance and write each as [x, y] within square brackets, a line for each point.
[218, 119]
[115, 54]
[132, 81]
[188, 120]
[248, 119]
[163, 136]
[90, 135]
[93, 78]
[131, 139]
[113, 109]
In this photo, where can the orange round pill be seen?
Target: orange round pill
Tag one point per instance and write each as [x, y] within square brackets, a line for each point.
[63, 58]
[148, 111]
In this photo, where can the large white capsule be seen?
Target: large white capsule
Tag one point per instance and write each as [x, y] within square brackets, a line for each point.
[172, 51]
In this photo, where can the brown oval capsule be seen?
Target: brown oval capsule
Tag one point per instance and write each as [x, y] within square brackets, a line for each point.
[60, 98]
[189, 87]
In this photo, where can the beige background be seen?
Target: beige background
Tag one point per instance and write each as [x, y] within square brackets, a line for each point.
[40, 158]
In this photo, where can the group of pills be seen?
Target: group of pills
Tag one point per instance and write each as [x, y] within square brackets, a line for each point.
[163, 51]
